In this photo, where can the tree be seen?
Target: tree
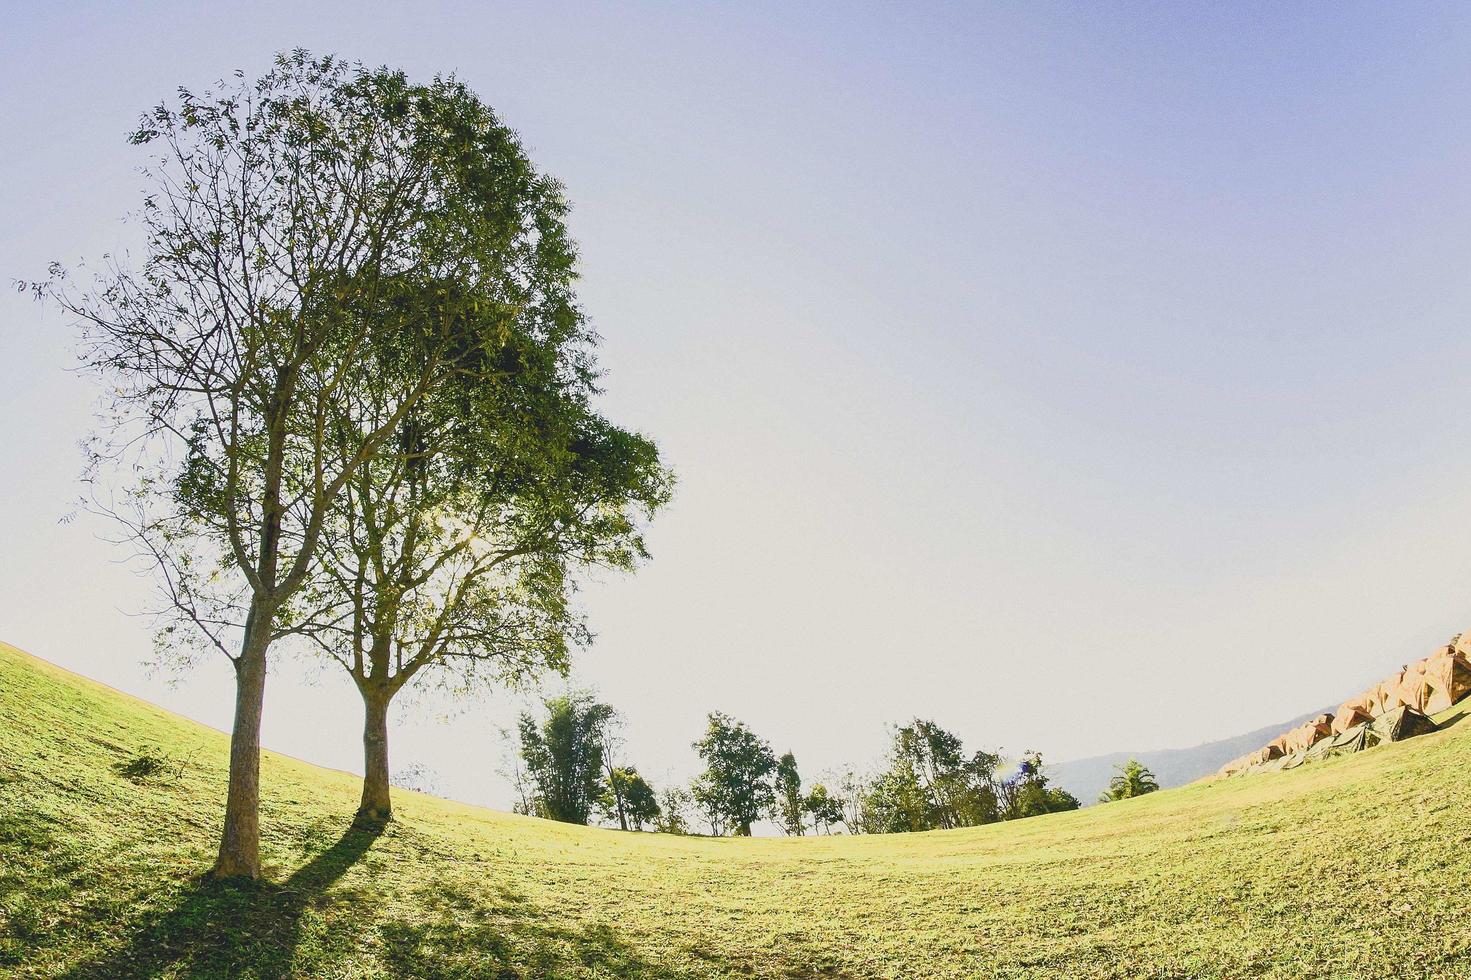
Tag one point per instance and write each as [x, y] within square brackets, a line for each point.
[735, 788]
[454, 562]
[629, 799]
[564, 757]
[514, 769]
[1132, 779]
[824, 809]
[299, 229]
[894, 802]
[960, 790]
[789, 812]
[930, 784]
[1027, 794]
[674, 804]
[612, 743]
[853, 792]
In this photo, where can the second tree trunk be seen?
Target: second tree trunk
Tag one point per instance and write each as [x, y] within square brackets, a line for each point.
[239, 855]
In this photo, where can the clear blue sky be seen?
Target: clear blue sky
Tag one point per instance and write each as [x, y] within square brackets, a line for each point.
[1086, 377]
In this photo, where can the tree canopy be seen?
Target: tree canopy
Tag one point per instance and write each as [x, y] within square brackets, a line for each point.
[789, 812]
[930, 783]
[735, 790]
[823, 808]
[564, 757]
[1027, 793]
[454, 559]
[630, 799]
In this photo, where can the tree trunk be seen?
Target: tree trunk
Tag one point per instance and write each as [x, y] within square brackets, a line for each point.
[239, 855]
[617, 798]
[375, 806]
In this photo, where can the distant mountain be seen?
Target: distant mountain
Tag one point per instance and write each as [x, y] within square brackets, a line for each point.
[1087, 778]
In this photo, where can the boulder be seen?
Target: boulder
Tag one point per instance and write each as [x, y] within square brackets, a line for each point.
[1412, 689]
[1447, 675]
[1353, 712]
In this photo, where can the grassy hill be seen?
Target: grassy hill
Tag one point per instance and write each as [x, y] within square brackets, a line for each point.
[1357, 867]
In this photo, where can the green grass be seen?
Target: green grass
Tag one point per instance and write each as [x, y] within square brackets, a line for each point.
[1356, 867]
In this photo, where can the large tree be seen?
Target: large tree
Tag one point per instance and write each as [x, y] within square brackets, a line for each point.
[453, 559]
[736, 787]
[296, 227]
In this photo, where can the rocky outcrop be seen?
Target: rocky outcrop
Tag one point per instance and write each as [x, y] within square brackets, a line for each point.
[1424, 687]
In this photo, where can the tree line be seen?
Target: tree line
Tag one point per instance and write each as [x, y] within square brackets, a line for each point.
[570, 769]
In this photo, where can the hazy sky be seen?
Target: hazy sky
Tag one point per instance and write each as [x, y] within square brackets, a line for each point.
[1083, 377]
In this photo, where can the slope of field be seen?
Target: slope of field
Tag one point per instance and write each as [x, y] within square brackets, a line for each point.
[1356, 867]
[1086, 778]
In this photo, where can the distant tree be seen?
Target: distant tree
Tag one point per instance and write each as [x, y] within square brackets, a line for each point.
[824, 809]
[522, 785]
[853, 792]
[895, 802]
[1132, 779]
[979, 802]
[564, 757]
[612, 743]
[629, 799]
[960, 788]
[418, 777]
[930, 783]
[1027, 794]
[735, 789]
[294, 224]
[938, 762]
[674, 805]
[789, 812]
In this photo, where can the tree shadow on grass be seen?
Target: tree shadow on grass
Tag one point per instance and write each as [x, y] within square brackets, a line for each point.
[459, 936]
[267, 930]
[231, 928]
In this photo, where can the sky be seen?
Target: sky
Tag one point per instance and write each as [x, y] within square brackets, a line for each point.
[1085, 377]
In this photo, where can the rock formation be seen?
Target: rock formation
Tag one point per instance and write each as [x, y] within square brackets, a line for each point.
[1425, 687]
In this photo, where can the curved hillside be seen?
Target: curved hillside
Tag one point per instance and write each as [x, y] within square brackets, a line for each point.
[1359, 866]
